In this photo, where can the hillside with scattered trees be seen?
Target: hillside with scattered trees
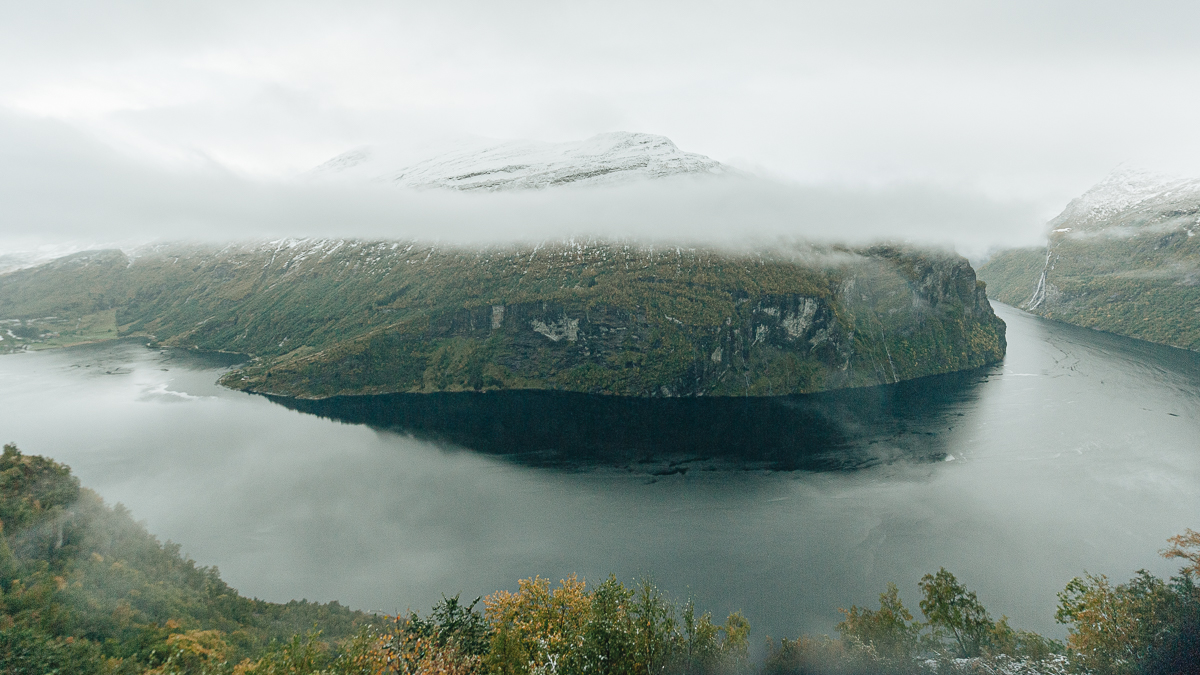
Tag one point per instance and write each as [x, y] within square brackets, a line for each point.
[327, 318]
[85, 589]
[1123, 257]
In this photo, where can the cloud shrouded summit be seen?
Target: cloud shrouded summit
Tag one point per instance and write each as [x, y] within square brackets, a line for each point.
[59, 185]
[968, 124]
[1017, 100]
[485, 165]
[1131, 197]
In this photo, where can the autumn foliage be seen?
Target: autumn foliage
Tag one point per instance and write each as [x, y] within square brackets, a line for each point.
[1146, 625]
[84, 589]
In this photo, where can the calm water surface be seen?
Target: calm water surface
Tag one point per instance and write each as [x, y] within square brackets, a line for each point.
[1080, 452]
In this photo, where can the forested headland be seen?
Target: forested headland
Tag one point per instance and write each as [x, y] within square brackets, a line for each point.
[86, 589]
[327, 318]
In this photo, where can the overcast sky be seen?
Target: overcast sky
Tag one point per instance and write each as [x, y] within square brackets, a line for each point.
[129, 118]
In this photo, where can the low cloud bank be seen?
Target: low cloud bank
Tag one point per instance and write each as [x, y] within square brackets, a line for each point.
[59, 187]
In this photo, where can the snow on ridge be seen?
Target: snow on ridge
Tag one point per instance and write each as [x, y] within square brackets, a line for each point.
[481, 165]
[1129, 197]
[23, 258]
[345, 161]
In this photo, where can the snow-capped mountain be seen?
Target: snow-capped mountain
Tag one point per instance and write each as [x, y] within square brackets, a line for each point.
[515, 165]
[1132, 198]
[1123, 257]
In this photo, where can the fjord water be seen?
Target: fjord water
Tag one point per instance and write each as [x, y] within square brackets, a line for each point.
[1080, 452]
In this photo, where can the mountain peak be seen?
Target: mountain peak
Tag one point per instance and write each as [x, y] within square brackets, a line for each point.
[489, 165]
[1129, 196]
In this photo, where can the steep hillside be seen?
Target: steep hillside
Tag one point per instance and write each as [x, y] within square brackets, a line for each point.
[1123, 257]
[326, 318]
[84, 588]
[482, 165]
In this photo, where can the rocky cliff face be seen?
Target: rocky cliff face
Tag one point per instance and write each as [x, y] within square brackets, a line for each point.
[1123, 257]
[344, 317]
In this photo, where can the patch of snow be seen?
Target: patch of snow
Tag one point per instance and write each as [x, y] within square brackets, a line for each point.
[1132, 198]
[17, 258]
[484, 165]
[1003, 664]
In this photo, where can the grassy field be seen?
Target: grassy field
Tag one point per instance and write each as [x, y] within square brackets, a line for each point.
[53, 332]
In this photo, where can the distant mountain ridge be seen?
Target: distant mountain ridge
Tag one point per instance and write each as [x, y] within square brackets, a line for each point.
[1123, 257]
[489, 166]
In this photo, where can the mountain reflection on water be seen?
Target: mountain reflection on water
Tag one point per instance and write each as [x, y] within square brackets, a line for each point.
[846, 429]
[1081, 452]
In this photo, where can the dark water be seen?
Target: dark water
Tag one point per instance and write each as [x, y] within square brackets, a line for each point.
[849, 429]
[1080, 452]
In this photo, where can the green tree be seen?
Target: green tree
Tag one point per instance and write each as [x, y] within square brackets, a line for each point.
[890, 630]
[536, 627]
[700, 649]
[24, 651]
[607, 646]
[655, 628]
[202, 652]
[452, 623]
[1116, 629]
[735, 640]
[951, 608]
[1004, 639]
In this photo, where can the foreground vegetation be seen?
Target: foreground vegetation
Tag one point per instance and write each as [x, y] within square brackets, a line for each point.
[325, 318]
[87, 590]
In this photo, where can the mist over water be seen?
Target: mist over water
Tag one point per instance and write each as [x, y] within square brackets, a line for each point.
[1079, 452]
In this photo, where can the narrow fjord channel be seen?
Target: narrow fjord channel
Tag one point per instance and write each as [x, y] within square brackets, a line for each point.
[1080, 452]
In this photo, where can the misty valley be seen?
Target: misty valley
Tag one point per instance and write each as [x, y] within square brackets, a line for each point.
[715, 448]
[599, 338]
[661, 338]
[1076, 453]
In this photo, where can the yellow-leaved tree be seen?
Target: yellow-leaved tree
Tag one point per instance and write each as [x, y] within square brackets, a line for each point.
[537, 626]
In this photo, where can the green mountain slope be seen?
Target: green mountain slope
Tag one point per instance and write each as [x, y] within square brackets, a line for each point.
[351, 317]
[86, 589]
[1122, 258]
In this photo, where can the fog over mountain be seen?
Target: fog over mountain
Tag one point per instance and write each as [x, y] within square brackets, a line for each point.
[486, 165]
[774, 303]
[964, 124]
[66, 191]
[1122, 257]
